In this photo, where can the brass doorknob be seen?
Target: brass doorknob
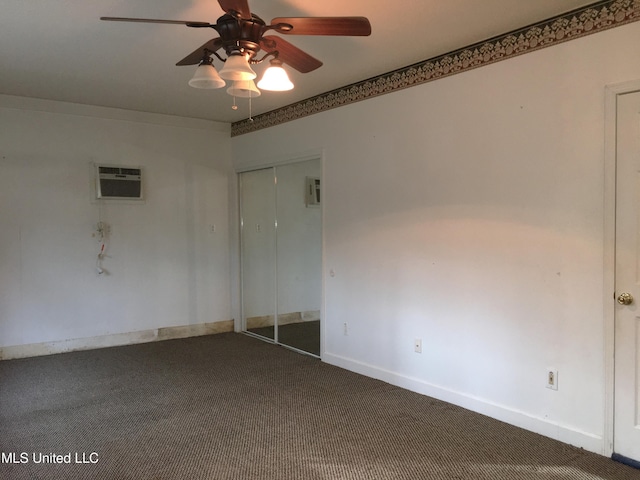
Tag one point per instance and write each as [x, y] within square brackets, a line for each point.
[625, 299]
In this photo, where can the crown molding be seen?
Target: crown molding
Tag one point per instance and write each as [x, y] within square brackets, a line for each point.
[578, 23]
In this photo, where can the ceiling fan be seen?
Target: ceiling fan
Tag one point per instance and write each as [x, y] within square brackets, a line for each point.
[242, 37]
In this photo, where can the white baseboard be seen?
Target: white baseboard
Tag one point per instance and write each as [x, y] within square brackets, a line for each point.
[563, 433]
[118, 339]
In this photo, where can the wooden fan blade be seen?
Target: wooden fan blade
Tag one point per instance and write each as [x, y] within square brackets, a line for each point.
[290, 54]
[153, 20]
[240, 6]
[347, 26]
[197, 55]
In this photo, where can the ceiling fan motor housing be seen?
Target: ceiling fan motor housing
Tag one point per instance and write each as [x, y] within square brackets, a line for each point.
[241, 34]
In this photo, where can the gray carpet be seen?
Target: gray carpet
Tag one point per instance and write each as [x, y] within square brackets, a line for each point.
[232, 407]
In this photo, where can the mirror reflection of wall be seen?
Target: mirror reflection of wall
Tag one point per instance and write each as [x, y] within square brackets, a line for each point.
[282, 254]
[258, 217]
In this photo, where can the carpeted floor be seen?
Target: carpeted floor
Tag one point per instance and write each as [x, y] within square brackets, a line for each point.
[229, 406]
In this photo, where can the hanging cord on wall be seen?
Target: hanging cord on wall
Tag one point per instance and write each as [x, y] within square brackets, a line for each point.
[103, 230]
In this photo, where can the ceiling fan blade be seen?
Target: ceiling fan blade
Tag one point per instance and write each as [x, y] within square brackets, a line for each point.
[240, 6]
[153, 20]
[195, 57]
[347, 26]
[290, 54]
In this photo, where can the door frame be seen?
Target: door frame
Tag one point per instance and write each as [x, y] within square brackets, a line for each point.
[612, 92]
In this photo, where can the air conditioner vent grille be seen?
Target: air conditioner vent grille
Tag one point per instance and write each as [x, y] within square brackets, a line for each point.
[112, 170]
[118, 182]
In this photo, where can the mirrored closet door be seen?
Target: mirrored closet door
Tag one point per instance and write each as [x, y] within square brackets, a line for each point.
[282, 254]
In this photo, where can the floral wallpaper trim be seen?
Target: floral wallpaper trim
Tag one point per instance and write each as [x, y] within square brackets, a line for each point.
[578, 23]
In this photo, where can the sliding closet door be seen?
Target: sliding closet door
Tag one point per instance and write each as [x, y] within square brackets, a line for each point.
[281, 254]
[258, 220]
[299, 255]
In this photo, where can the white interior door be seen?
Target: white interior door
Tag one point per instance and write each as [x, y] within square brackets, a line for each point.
[627, 315]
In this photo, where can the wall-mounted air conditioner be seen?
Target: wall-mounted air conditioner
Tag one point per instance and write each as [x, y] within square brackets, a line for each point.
[118, 181]
[312, 192]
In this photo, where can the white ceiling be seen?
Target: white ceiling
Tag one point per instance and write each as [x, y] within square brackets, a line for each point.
[60, 50]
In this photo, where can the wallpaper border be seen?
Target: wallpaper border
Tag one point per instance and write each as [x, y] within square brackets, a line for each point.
[575, 24]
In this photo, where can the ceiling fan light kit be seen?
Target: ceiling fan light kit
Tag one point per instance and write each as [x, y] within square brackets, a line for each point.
[275, 78]
[244, 89]
[206, 76]
[236, 67]
[242, 36]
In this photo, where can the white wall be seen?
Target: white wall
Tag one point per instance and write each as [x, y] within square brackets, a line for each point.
[469, 212]
[165, 266]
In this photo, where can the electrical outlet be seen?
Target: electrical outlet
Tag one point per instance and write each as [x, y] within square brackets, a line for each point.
[417, 345]
[552, 378]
